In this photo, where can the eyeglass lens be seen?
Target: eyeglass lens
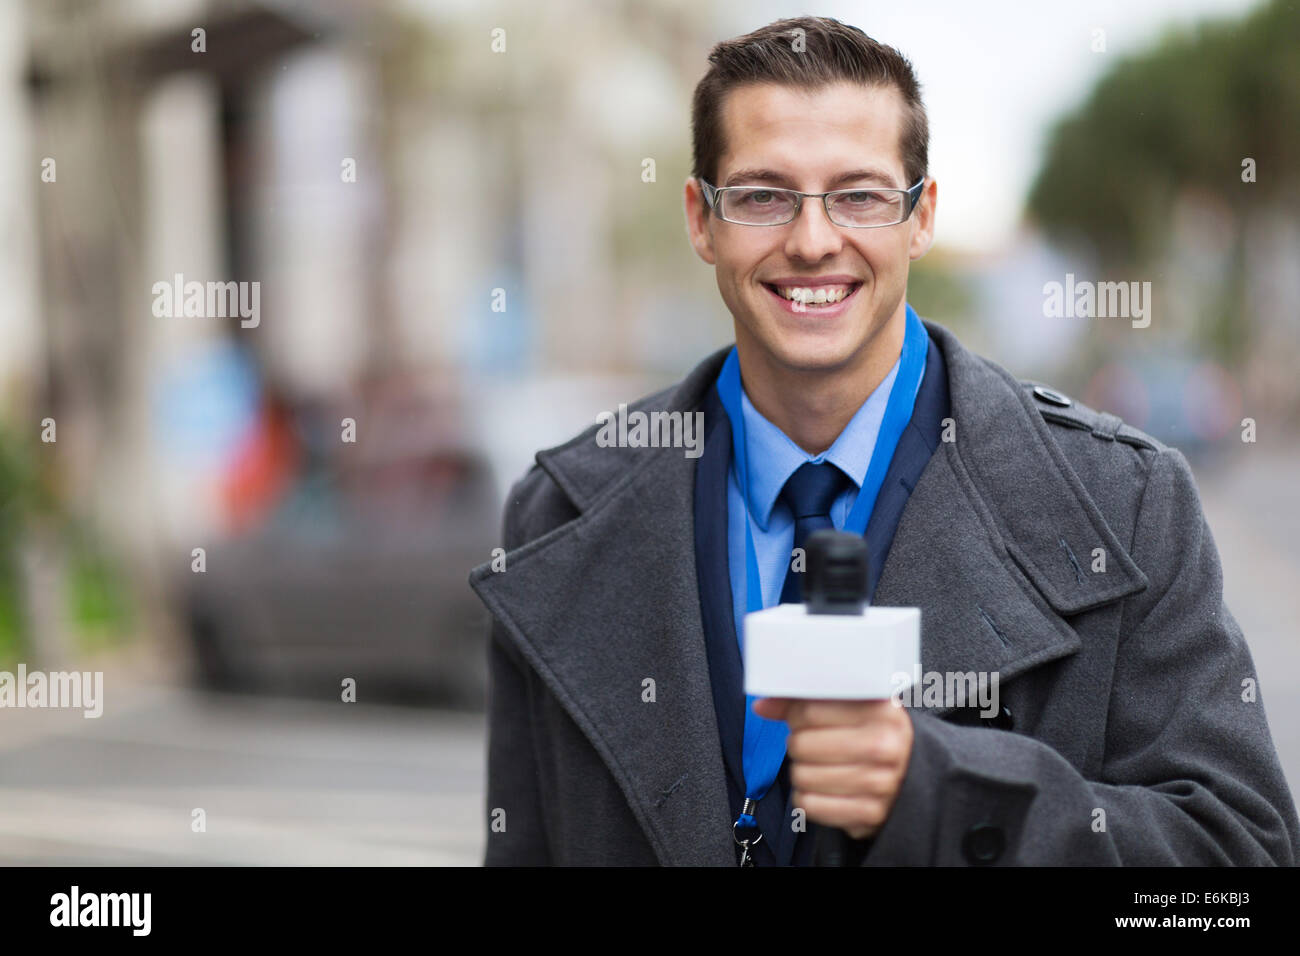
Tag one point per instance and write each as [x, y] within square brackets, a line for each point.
[866, 207]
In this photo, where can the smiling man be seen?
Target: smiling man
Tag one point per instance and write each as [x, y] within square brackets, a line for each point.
[1047, 544]
[819, 307]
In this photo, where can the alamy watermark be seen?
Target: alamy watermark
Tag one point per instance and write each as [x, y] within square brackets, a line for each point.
[56, 689]
[658, 429]
[75, 908]
[1098, 300]
[947, 689]
[211, 300]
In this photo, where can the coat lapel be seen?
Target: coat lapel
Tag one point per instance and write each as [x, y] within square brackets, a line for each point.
[609, 600]
[996, 542]
[990, 546]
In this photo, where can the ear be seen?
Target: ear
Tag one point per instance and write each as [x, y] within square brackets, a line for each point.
[699, 221]
[923, 220]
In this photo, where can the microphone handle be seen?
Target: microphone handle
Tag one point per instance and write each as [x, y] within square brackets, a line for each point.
[831, 848]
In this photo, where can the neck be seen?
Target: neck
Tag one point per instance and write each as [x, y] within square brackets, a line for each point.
[812, 406]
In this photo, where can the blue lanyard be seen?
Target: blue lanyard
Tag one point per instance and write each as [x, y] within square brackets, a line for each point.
[764, 746]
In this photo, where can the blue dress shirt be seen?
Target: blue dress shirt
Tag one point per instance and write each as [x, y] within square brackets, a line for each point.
[717, 559]
[772, 458]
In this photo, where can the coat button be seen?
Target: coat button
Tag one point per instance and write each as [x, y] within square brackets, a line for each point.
[1052, 396]
[983, 844]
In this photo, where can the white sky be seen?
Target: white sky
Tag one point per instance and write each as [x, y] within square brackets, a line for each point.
[994, 76]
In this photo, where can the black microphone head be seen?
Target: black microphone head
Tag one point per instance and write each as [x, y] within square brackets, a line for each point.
[835, 580]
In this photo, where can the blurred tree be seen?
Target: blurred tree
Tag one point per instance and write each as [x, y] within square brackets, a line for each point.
[938, 288]
[1180, 119]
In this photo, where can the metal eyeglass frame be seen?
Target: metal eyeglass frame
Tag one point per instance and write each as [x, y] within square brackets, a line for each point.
[913, 194]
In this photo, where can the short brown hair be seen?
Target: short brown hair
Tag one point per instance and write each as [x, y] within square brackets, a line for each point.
[833, 52]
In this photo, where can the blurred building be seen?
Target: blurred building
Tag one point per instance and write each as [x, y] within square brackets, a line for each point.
[440, 206]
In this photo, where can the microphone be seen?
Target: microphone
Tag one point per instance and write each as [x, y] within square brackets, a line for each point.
[832, 647]
[835, 582]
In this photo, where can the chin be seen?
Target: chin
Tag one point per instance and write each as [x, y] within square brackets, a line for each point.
[809, 353]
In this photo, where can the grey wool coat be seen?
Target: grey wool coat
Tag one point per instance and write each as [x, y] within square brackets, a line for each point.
[1132, 741]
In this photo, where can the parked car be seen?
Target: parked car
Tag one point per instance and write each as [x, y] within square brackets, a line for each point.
[356, 575]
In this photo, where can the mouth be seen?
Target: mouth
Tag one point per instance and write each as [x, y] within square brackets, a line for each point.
[826, 298]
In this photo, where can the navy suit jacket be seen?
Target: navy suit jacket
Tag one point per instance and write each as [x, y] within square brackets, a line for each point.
[781, 844]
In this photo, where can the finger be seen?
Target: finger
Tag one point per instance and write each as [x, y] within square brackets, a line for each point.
[847, 813]
[845, 780]
[773, 708]
[835, 713]
[846, 745]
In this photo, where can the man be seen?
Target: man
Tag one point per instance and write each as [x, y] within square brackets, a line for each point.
[1047, 545]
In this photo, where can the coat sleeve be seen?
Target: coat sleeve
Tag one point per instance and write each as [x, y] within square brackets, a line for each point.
[1189, 774]
[516, 824]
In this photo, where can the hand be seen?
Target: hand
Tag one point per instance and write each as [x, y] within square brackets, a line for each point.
[847, 758]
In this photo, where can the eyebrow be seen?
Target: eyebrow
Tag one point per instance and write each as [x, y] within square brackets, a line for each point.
[771, 177]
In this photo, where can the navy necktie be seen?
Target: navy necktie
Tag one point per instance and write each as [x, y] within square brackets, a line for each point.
[809, 492]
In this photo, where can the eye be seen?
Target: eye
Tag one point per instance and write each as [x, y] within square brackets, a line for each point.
[757, 197]
[862, 198]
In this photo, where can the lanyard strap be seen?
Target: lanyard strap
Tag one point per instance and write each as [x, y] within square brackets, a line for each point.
[764, 745]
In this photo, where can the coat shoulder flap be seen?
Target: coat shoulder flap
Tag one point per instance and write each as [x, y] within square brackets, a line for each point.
[1112, 459]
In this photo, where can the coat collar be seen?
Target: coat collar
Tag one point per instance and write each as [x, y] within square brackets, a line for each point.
[611, 598]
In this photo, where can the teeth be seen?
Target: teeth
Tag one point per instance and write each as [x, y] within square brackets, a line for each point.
[816, 296]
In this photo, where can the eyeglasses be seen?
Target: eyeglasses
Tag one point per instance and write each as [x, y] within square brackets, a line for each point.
[855, 208]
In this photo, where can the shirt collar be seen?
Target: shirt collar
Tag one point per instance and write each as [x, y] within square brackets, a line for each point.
[771, 457]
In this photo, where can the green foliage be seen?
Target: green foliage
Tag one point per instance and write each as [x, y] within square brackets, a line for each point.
[10, 622]
[17, 491]
[1182, 115]
[99, 607]
[938, 290]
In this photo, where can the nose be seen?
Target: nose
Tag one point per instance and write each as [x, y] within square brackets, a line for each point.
[813, 236]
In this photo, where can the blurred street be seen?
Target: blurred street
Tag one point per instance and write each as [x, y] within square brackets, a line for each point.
[1253, 507]
[310, 782]
[283, 782]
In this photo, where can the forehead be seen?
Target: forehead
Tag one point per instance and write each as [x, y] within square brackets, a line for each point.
[812, 136]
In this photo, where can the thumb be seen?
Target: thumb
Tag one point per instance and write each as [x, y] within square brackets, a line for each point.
[773, 708]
